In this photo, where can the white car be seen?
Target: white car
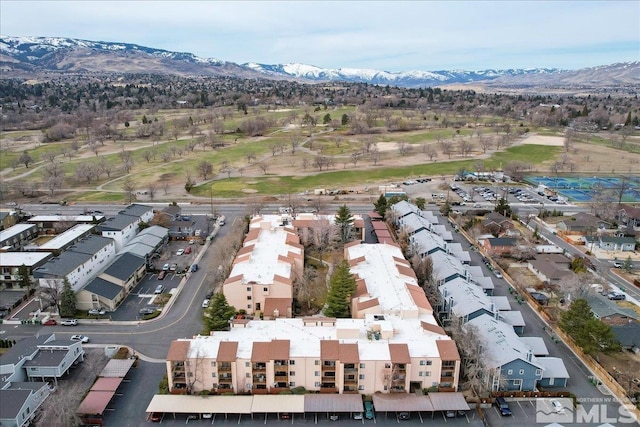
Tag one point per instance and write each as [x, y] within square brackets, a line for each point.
[69, 322]
[82, 338]
[497, 274]
[205, 303]
[180, 252]
[557, 406]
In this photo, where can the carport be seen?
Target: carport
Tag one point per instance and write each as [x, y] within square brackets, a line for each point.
[277, 404]
[448, 402]
[401, 402]
[95, 402]
[183, 404]
[333, 403]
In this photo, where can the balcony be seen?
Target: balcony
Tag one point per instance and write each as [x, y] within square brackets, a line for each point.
[261, 367]
[281, 376]
[329, 363]
[280, 363]
[327, 389]
[225, 378]
[224, 367]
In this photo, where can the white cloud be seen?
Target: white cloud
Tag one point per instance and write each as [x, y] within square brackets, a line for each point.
[385, 35]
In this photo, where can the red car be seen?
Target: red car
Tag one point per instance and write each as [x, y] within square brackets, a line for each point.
[156, 417]
[187, 250]
[50, 322]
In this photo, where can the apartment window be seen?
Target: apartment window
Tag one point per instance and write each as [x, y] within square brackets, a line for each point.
[247, 375]
[187, 363]
[292, 373]
[317, 373]
[427, 373]
[213, 364]
[362, 366]
[423, 362]
[292, 362]
[249, 306]
[317, 362]
[360, 387]
[189, 374]
[361, 376]
[538, 371]
[213, 375]
[387, 365]
[292, 383]
[510, 372]
[265, 289]
[429, 362]
[386, 388]
[521, 372]
[316, 384]
[247, 364]
[248, 288]
[517, 383]
[421, 374]
[249, 298]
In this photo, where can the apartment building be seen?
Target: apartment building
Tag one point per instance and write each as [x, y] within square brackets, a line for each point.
[263, 272]
[123, 227]
[394, 344]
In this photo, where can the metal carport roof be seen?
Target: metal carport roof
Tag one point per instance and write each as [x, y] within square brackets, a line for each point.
[200, 404]
[401, 402]
[95, 402]
[333, 403]
[277, 403]
[107, 384]
[448, 402]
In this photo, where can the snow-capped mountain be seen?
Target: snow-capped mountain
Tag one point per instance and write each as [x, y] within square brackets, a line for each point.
[22, 56]
[405, 79]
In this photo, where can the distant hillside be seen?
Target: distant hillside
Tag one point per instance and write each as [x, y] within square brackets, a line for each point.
[25, 56]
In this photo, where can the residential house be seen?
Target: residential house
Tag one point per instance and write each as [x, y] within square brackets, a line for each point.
[628, 335]
[611, 243]
[20, 402]
[148, 243]
[79, 264]
[629, 216]
[17, 236]
[113, 284]
[513, 363]
[610, 312]
[499, 246]
[496, 223]
[583, 223]
[10, 263]
[550, 268]
[123, 227]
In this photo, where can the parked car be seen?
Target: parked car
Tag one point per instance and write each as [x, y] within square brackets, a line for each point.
[404, 416]
[205, 303]
[97, 312]
[617, 265]
[69, 322]
[165, 267]
[155, 417]
[187, 250]
[173, 267]
[145, 311]
[194, 268]
[81, 338]
[503, 406]
[368, 409]
[209, 295]
[334, 417]
[557, 406]
[180, 252]
[162, 274]
[50, 322]
[357, 416]
[285, 416]
[616, 296]
[497, 274]
[159, 289]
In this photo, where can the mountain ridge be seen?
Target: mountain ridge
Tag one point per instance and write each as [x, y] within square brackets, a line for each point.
[28, 55]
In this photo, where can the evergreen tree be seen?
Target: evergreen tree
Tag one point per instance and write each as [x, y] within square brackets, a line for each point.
[344, 221]
[628, 265]
[420, 202]
[218, 314]
[326, 119]
[380, 205]
[446, 208]
[589, 333]
[341, 286]
[25, 278]
[628, 121]
[67, 300]
[345, 119]
[503, 207]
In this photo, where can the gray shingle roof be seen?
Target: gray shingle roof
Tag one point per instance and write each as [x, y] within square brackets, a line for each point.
[136, 209]
[24, 347]
[103, 288]
[125, 266]
[73, 257]
[12, 402]
[118, 222]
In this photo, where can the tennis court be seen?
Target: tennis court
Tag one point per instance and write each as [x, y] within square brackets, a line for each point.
[583, 189]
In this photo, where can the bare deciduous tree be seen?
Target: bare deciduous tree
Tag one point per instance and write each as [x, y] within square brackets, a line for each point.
[204, 169]
[129, 188]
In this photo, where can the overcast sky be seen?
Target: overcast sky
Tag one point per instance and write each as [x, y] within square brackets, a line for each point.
[383, 35]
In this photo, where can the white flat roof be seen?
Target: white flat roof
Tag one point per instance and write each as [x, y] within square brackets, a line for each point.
[13, 259]
[263, 264]
[382, 278]
[68, 236]
[305, 340]
[74, 218]
[14, 230]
